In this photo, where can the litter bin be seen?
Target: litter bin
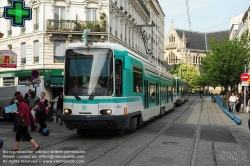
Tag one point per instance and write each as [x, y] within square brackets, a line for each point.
[49, 116]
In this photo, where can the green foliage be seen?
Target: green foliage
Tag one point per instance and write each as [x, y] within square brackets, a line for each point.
[187, 72]
[224, 62]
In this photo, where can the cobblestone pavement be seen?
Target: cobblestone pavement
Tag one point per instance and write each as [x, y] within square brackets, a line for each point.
[222, 142]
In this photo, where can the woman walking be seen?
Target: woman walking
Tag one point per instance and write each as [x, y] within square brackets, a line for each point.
[41, 108]
[24, 112]
[60, 107]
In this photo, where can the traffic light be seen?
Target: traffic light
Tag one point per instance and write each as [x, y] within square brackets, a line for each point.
[18, 13]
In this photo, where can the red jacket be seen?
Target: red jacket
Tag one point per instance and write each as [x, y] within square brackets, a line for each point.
[24, 109]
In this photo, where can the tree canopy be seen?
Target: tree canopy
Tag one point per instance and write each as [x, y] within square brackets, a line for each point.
[187, 72]
[224, 62]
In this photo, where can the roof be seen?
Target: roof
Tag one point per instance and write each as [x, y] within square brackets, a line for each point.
[198, 40]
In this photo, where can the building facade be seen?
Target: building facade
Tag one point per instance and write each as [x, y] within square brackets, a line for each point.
[187, 46]
[239, 24]
[56, 23]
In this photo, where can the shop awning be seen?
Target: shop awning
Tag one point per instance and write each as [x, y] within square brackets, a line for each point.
[53, 82]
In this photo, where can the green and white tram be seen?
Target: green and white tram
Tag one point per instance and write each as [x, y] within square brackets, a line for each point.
[108, 87]
[181, 91]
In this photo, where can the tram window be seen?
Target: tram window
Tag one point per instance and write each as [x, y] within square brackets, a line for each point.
[137, 82]
[170, 94]
[118, 78]
[152, 91]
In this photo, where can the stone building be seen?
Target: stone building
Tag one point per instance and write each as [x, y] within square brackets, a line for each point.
[40, 44]
[188, 46]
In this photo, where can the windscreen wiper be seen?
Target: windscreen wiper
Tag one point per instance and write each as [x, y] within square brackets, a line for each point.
[91, 96]
[75, 95]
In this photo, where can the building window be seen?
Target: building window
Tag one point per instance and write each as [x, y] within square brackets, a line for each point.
[137, 74]
[91, 15]
[59, 51]
[36, 51]
[23, 53]
[8, 81]
[24, 81]
[9, 47]
[9, 27]
[36, 18]
[59, 13]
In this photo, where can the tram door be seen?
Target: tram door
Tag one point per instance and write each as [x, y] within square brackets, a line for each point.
[118, 78]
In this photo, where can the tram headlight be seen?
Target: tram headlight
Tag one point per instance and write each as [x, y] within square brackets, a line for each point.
[67, 111]
[106, 112]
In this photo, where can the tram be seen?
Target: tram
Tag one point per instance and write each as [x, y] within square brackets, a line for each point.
[181, 91]
[108, 87]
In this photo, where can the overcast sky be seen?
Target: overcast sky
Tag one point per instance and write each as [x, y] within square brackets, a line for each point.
[205, 15]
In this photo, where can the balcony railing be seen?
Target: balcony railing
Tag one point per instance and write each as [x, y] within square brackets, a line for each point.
[144, 7]
[76, 26]
[36, 26]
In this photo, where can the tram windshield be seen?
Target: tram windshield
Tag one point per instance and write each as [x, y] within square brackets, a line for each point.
[88, 72]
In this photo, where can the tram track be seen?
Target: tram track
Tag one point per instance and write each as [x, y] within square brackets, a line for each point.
[163, 130]
[133, 156]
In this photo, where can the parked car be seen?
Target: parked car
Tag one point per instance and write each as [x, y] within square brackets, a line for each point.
[7, 93]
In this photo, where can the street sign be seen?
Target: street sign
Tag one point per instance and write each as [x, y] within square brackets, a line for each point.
[245, 83]
[8, 59]
[244, 77]
[18, 13]
[35, 74]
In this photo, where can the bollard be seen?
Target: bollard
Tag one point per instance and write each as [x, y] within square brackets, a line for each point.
[237, 121]
[231, 116]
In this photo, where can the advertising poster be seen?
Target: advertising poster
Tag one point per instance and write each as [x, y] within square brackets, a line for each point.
[8, 59]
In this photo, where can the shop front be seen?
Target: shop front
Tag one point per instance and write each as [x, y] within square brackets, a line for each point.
[52, 80]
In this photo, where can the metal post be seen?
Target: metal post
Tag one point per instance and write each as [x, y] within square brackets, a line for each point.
[245, 94]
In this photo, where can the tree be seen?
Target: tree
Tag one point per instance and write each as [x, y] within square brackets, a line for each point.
[224, 62]
[189, 73]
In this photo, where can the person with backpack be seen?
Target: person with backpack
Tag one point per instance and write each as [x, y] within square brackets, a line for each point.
[14, 116]
[32, 102]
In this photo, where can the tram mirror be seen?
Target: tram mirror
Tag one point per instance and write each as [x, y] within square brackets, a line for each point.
[127, 62]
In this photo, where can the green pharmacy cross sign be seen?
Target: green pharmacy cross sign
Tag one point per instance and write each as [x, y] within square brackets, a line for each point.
[18, 13]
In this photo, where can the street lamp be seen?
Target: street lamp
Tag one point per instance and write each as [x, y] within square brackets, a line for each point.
[245, 70]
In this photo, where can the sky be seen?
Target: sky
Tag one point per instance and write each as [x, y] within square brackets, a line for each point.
[205, 15]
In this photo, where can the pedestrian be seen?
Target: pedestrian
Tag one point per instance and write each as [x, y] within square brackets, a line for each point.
[200, 93]
[32, 102]
[14, 116]
[27, 95]
[60, 108]
[41, 107]
[232, 100]
[22, 131]
[226, 98]
[238, 104]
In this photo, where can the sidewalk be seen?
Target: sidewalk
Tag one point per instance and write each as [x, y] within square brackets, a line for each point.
[231, 152]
